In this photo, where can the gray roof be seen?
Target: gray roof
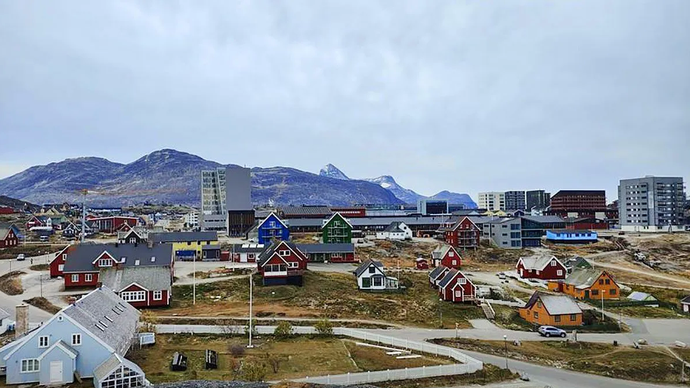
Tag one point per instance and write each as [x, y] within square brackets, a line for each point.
[366, 264]
[536, 262]
[210, 247]
[80, 257]
[440, 251]
[544, 219]
[91, 312]
[436, 272]
[153, 278]
[108, 366]
[306, 210]
[3, 314]
[555, 304]
[641, 296]
[448, 277]
[249, 248]
[375, 221]
[4, 232]
[583, 278]
[183, 236]
[685, 300]
[326, 248]
[393, 227]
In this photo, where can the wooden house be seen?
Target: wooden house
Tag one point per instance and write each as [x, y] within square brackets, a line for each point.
[540, 267]
[463, 234]
[446, 256]
[8, 238]
[272, 228]
[437, 274]
[371, 276]
[282, 263]
[587, 284]
[456, 287]
[337, 229]
[554, 310]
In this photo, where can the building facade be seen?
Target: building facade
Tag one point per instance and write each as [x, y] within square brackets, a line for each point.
[515, 200]
[579, 203]
[463, 234]
[428, 206]
[537, 199]
[213, 214]
[238, 201]
[553, 310]
[651, 204]
[492, 200]
[504, 232]
[336, 229]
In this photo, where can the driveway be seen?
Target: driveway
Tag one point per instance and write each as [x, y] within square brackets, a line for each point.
[9, 302]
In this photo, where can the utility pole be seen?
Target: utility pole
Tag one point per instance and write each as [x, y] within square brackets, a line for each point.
[83, 215]
[194, 280]
[602, 305]
[251, 289]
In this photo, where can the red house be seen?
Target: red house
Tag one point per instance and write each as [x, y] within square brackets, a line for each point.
[57, 265]
[446, 256]
[113, 223]
[148, 286]
[8, 238]
[282, 263]
[436, 275]
[420, 263]
[463, 234]
[6, 210]
[456, 287]
[540, 267]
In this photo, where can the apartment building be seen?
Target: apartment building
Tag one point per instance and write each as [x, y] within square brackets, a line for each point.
[492, 200]
[515, 200]
[537, 199]
[579, 203]
[651, 204]
[213, 215]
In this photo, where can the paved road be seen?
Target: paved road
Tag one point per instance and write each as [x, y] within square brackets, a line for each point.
[9, 302]
[288, 319]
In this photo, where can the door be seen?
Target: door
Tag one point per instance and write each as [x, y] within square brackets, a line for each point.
[586, 294]
[458, 295]
[56, 372]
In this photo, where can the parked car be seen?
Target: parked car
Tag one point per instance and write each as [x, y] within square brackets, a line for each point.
[501, 275]
[549, 331]
[21, 257]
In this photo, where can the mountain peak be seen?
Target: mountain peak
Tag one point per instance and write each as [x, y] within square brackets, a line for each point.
[332, 171]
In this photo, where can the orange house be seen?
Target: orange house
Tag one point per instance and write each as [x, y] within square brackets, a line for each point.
[588, 284]
[554, 310]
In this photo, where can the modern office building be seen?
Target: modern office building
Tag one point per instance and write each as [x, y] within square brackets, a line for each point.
[432, 206]
[213, 213]
[238, 201]
[515, 200]
[493, 200]
[579, 203]
[537, 199]
[651, 204]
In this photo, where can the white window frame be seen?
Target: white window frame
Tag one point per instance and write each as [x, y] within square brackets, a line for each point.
[75, 278]
[553, 263]
[158, 295]
[462, 281]
[61, 267]
[293, 264]
[133, 296]
[88, 277]
[105, 263]
[76, 339]
[42, 339]
[559, 272]
[30, 365]
[284, 252]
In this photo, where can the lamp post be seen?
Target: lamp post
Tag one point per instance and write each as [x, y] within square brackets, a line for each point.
[440, 313]
[251, 301]
[194, 281]
[456, 330]
[505, 346]
[602, 305]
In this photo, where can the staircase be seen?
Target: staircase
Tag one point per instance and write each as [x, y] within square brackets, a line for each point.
[488, 310]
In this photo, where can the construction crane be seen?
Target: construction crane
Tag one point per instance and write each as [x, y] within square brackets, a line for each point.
[85, 192]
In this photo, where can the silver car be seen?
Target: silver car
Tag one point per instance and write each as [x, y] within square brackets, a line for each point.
[551, 331]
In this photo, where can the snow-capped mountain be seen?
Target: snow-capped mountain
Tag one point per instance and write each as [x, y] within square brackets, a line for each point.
[388, 183]
[332, 171]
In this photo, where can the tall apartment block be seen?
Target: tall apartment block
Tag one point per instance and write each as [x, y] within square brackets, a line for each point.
[537, 199]
[579, 203]
[493, 200]
[238, 200]
[515, 200]
[213, 214]
[651, 204]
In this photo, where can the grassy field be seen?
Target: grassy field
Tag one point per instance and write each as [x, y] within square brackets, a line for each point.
[11, 284]
[330, 295]
[490, 374]
[30, 250]
[292, 358]
[645, 312]
[40, 267]
[650, 364]
[43, 304]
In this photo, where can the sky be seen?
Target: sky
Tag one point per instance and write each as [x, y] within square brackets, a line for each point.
[443, 95]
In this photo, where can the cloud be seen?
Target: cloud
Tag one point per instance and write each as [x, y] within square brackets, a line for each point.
[442, 95]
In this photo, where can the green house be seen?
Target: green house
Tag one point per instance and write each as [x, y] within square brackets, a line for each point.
[336, 229]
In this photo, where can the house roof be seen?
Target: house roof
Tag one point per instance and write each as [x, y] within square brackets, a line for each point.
[94, 309]
[336, 214]
[583, 278]
[537, 262]
[152, 278]
[268, 253]
[571, 231]
[640, 296]
[305, 210]
[80, 257]
[274, 215]
[437, 272]
[685, 300]
[64, 347]
[543, 219]
[249, 248]
[183, 236]
[4, 232]
[555, 304]
[109, 365]
[210, 247]
[326, 248]
[578, 192]
[376, 221]
[577, 262]
[366, 264]
[441, 251]
[450, 275]
[394, 227]
[3, 314]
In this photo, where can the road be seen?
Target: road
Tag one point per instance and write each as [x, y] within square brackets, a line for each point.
[9, 302]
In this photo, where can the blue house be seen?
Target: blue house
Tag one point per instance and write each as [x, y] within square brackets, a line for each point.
[568, 236]
[88, 338]
[272, 228]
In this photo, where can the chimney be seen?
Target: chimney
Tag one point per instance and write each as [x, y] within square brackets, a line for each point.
[22, 317]
[72, 300]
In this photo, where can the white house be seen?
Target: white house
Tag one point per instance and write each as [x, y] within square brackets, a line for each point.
[395, 231]
[685, 303]
[371, 276]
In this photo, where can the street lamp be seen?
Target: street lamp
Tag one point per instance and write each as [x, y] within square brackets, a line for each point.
[456, 330]
[505, 346]
[440, 313]
[251, 301]
[602, 305]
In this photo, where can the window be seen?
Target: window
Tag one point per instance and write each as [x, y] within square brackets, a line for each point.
[88, 277]
[559, 272]
[553, 263]
[284, 253]
[136, 262]
[595, 292]
[75, 278]
[462, 281]
[378, 281]
[133, 296]
[43, 341]
[61, 267]
[105, 263]
[30, 365]
[557, 318]
[451, 254]
[607, 281]
[612, 291]
[76, 339]
[536, 315]
[454, 262]
[293, 264]
[157, 295]
[372, 269]
[573, 317]
[539, 304]
[601, 282]
[189, 243]
[366, 282]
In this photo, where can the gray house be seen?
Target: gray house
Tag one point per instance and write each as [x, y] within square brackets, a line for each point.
[88, 338]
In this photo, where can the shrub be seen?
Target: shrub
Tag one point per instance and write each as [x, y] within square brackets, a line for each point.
[324, 327]
[237, 350]
[283, 330]
[254, 371]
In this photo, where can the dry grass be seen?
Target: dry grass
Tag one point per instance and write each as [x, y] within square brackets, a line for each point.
[490, 374]
[299, 357]
[11, 284]
[331, 295]
[40, 267]
[651, 364]
[43, 304]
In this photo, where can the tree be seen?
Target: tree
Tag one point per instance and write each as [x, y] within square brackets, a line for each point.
[324, 327]
[283, 330]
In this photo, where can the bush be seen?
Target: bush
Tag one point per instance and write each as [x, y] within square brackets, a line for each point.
[237, 350]
[253, 371]
[324, 327]
[283, 330]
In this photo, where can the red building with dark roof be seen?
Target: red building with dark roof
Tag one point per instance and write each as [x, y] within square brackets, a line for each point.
[585, 203]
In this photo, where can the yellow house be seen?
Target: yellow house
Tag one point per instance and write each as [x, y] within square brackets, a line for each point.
[554, 310]
[588, 284]
[186, 245]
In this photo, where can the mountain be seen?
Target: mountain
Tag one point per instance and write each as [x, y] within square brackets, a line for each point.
[172, 176]
[387, 182]
[17, 204]
[332, 171]
[456, 199]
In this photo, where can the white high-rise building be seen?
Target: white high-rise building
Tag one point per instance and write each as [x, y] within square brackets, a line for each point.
[213, 213]
[651, 204]
[492, 200]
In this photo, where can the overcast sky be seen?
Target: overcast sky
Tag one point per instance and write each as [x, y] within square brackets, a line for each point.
[465, 96]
